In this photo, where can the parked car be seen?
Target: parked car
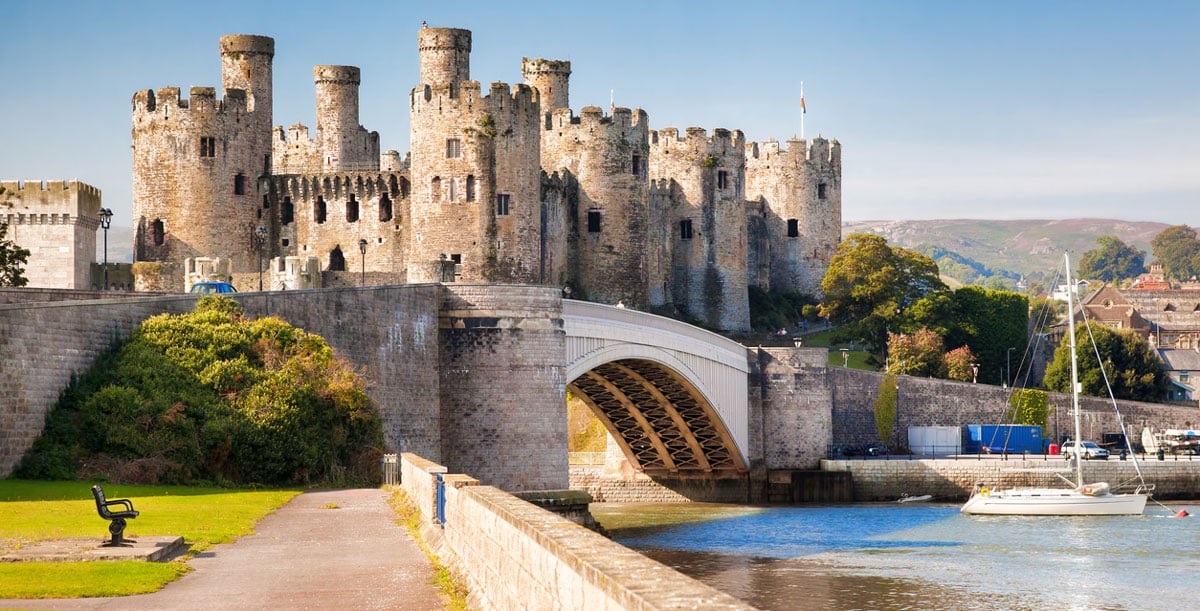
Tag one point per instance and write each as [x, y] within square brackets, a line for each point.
[1087, 449]
[208, 288]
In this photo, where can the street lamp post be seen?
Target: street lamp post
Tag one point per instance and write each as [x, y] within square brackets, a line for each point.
[362, 248]
[260, 235]
[105, 221]
[845, 356]
[974, 373]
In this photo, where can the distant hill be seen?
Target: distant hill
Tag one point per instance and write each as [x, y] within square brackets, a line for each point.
[1009, 249]
[120, 244]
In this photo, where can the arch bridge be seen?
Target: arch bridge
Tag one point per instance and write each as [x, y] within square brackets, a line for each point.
[674, 396]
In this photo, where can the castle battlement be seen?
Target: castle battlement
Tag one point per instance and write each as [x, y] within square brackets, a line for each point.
[341, 75]
[500, 98]
[12, 187]
[166, 100]
[340, 185]
[696, 140]
[798, 152]
[591, 118]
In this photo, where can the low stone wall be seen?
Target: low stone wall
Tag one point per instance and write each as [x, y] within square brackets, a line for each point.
[950, 479]
[516, 556]
[615, 489]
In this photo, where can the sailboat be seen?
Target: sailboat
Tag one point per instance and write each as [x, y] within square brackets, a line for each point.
[1075, 498]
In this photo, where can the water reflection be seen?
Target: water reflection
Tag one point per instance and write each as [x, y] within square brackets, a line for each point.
[919, 557]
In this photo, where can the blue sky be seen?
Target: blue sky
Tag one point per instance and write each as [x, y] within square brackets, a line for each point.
[998, 110]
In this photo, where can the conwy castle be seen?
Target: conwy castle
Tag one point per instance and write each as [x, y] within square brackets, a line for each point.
[503, 185]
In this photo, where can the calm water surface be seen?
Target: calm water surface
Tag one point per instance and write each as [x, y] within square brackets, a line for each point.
[920, 556]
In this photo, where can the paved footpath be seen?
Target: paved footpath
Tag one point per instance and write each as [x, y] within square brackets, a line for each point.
[303, 556]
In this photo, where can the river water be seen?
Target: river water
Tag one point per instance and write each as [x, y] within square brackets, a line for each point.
[920, 556]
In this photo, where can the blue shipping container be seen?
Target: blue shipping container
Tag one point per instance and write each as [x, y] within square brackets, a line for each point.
[1003, 438]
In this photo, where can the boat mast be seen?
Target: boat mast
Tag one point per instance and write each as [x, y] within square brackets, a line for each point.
[1074, 375]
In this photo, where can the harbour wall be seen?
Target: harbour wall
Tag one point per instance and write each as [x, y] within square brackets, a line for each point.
[514, 555]
[954, 479]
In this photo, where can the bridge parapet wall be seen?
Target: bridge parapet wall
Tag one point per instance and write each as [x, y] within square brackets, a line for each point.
[518, 556]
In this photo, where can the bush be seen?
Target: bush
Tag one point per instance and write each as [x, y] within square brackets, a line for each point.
[213, 396]
[774, 310]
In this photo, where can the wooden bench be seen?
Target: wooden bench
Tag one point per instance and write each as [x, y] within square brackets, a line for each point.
[116, 519]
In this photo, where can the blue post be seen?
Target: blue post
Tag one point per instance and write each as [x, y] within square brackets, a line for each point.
[441, 500]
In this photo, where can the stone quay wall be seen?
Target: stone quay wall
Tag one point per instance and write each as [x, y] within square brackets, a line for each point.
[514, 555]
[954, 479]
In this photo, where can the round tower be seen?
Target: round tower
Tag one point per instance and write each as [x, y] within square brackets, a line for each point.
[445, 56]
[246, 65]
[337, 112]
[551, 78]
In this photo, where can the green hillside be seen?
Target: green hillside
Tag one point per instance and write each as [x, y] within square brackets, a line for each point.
[1032, 248]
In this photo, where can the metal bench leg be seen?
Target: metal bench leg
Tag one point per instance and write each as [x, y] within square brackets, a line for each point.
[117, 529]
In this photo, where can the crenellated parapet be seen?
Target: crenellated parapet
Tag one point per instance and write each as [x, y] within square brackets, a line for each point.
[341, 185]
[57, 221]
[818, 152]
[551, 77]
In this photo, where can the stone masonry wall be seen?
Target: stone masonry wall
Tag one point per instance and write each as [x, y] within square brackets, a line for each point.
[514, 555]
[57, 221]
[795, 389]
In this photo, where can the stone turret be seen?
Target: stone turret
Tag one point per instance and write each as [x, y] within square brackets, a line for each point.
[344, 144]
[551, 78]
[445, 56]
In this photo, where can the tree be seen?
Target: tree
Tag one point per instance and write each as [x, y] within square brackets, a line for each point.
[1113, 260]
[915, 354]
[869, 284]
[12, 259]
[885, 409]
[1178, 250]
[1132, 368]
[990, 322]
[957, 364]
[1029, 406]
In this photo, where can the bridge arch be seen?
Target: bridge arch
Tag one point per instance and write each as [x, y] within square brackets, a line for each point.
[672, 395]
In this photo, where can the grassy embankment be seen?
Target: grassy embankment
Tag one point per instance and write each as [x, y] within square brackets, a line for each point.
[858, 358]
[35, 511]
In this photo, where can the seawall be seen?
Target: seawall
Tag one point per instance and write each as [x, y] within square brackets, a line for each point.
[514, 555]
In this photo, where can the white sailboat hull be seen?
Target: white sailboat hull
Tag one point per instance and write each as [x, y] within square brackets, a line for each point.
[1053, 502]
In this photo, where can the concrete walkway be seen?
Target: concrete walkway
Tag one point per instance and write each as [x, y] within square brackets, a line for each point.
[304, 556]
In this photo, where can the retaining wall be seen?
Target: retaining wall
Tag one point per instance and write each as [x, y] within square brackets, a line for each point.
[950, 479]
[514, 555]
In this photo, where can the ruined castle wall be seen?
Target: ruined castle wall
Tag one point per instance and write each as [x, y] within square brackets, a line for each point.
[660, 238]
[708, 261]
[609, 232]
[560, 197]
[512, 240]
[57, 222]
[325, 216]
[801, 188]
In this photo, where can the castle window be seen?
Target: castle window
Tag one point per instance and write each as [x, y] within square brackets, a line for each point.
[385, 208]
[239, 184]
[470, 187]
[288, 213]
[266, 202]
[319, 210]
[821, 189]
[453, 148]
[285, 242]
[636, 167]
[793, 228]
[352, 210]
[593, 221]
[208, 146]
[502, 201]
[435, 189]
[722, 179]
[453, 189]
[685, 229]
[337, 261]
[158, 233]
[405, 187]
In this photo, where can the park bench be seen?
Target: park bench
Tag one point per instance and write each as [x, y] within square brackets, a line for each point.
[116, 519]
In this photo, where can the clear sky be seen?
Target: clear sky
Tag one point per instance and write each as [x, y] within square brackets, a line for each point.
[999, 110]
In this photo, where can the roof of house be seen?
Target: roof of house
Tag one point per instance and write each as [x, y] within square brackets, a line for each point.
[1180, 359]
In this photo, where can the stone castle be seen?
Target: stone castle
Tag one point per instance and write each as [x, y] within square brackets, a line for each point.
[504, 185]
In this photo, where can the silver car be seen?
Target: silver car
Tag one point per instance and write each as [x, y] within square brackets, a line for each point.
[1087, 449]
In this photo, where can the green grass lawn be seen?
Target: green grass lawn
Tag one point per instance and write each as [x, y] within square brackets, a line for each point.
[858, 359]
[34, 511]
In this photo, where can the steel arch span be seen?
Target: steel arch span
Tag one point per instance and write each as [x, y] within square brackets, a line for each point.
[674, 396]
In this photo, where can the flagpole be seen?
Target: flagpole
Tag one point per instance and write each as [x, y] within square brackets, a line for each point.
[802, 110]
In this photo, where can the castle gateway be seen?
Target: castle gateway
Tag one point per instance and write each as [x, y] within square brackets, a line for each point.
[504, 184]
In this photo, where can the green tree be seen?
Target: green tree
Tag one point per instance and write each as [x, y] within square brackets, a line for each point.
[869, 284]
[13, 259]
[1111, 261]
[1178, 250]
[1029, 406]
[990, 322]
[1045, 312]
[1132, 368]
[915, 354]
[885, 409]
[957, 363]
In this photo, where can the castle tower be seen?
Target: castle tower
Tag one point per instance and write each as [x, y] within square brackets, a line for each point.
[196, 168]
[608, 224]
[344, 144]
[57, 221]
[445, 56]
[800, 186]
[708, 258]
[476, 174]
[551, 78]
